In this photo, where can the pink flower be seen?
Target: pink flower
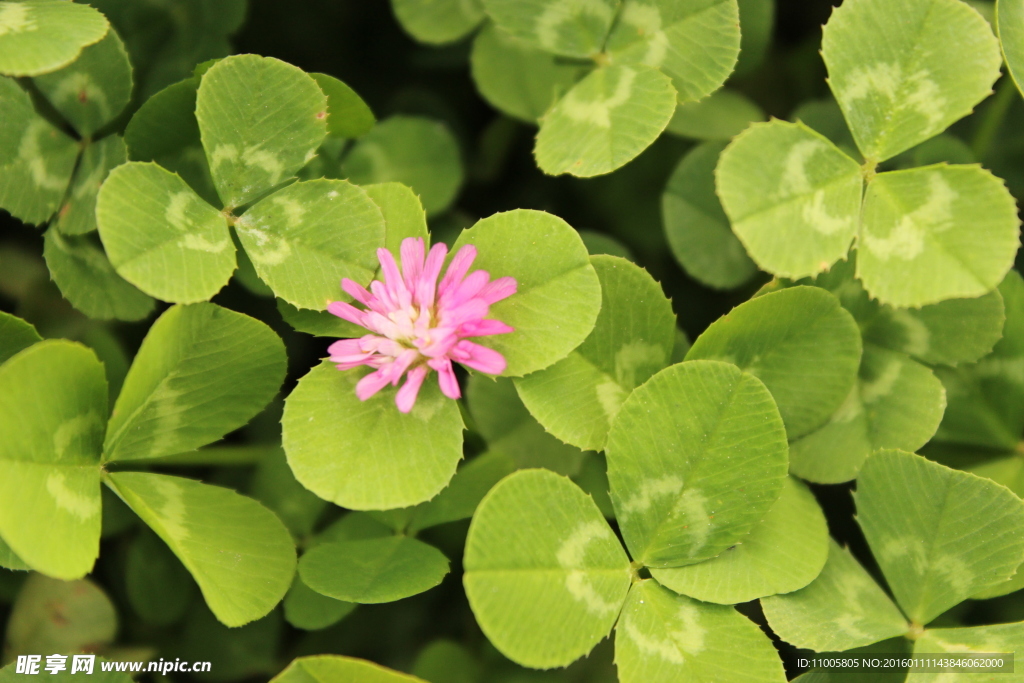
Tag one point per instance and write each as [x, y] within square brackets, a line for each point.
[418, 325]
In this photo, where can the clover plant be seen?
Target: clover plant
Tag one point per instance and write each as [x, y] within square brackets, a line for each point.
[310, 371]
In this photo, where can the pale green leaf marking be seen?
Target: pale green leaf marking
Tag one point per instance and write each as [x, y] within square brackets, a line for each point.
[336, 669]
[201, 372]
[238, 552]
[844, 596]
[896, 403]
[365, 455]
[517, 79]
[39, 36]
[546, 328]
[438, 21]
[936, 233]
[577, 398]
[800, 342]
[792, 196]
[94, 89]
[783, 553]
[696, 42]
[260, 120]
[161, 236]
[85, 278]
[416, 151]
[605, 121]
[668, 638]
[509, 428]
[897, 75]
[304, 239]
[572, 28]
[696, 458]
[49, 456]
[373, 570]
[697, 228]
[545, 575]
[77, 215]
[939, 535]
[36, 159]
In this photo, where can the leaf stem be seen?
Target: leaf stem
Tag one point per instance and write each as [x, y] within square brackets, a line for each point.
[869, 169]
[916, 631]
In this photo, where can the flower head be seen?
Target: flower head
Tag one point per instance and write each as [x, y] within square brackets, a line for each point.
[418, 325]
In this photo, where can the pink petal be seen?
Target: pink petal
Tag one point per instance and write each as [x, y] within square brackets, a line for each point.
[412, 261]
[426, 288]
[440, 341]
[385, 296]
[478, 357]
[502, 288]
[405, 399]
[446, 377]
[484, 328]
[345, 347]
[372, 343]
[371, 384]
[394, 372]
[470, 311]
[464, 291]
[356, 291]
[381, 325]
[458, 268]
[424, 323]
[395, 286]
[347, 312]
[352, 362]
